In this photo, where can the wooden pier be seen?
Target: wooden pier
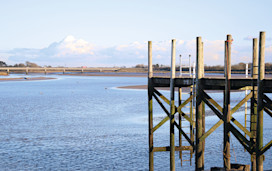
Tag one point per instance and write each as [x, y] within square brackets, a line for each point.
[47, 70]
[257, 85]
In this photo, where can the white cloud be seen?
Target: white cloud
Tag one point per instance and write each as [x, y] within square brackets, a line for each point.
[72, 46]
[77, 52]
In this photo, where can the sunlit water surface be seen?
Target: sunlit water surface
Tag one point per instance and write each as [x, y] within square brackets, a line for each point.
[86, 123]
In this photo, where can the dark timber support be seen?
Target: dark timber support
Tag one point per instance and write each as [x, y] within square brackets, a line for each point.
[261, 73]
[199, 153]
[253, 104]
[172, 106]
[203, 106]
[150, 107]
[226, 109]
[180, 124]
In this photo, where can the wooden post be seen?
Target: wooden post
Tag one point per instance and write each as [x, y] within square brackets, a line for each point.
[180, 124]
[203, 108]
[26, 70]
[226, 109]
[63, 70]
[191, 124]
[199, 127]
[172, 105]
[150, 107]
[253, 109]
[8, 71]
[45, 71]
[261, 73]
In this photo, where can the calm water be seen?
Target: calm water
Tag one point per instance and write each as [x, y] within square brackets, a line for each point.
[85, 123]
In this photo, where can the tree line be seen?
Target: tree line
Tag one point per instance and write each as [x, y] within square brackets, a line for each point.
[26, 64]
[237, 67]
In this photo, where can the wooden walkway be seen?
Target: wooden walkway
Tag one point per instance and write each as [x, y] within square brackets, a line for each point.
[251, 139]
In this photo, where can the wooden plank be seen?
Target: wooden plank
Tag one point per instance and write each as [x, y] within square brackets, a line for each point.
[162, 96]
[240, 137]
[268, 111]
[208, 98]
[240, 126]
[234, 109]
[218, 113]
[266, 147]
[177, 148]
[211, 130]
[165, 119]
[184, 103]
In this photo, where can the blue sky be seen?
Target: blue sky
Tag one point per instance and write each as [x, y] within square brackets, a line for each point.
[114, 33]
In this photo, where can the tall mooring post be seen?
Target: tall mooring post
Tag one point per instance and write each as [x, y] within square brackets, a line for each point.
[261, 73]
[150, 107]
[172, 106]
[253, 104]
[199, 150]
[226, 109]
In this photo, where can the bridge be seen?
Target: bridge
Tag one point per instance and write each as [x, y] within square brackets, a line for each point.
[64, 70]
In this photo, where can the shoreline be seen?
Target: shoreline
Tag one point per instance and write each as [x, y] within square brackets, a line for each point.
[26, 79]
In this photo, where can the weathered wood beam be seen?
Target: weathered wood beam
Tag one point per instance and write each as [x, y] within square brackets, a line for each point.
[172, 105]
[150, 108]
[199, 153]
[266, 147]
[226, 108]
[261, 73]
[177, 148]
[253, 103]
[165, 119]
[234, 109]
[240, 137]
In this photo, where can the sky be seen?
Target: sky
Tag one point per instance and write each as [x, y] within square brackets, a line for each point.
[115, 33]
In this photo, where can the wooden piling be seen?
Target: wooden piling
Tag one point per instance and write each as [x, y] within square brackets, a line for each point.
[253, 104]
[199, 105]
[261, 73]
[192, 110]
[172, 105]
[203, 108]
[180, 124]
[45, 72]
[226, 109]
[150, 107]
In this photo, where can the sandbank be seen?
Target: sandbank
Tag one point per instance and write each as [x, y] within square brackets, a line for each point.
[25, 79]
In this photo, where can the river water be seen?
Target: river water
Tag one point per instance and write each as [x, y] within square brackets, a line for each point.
[86, 123]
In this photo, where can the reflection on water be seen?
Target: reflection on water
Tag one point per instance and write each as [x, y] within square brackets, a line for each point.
[82, 123]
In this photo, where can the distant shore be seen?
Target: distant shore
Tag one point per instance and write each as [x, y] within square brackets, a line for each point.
[106, 74]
